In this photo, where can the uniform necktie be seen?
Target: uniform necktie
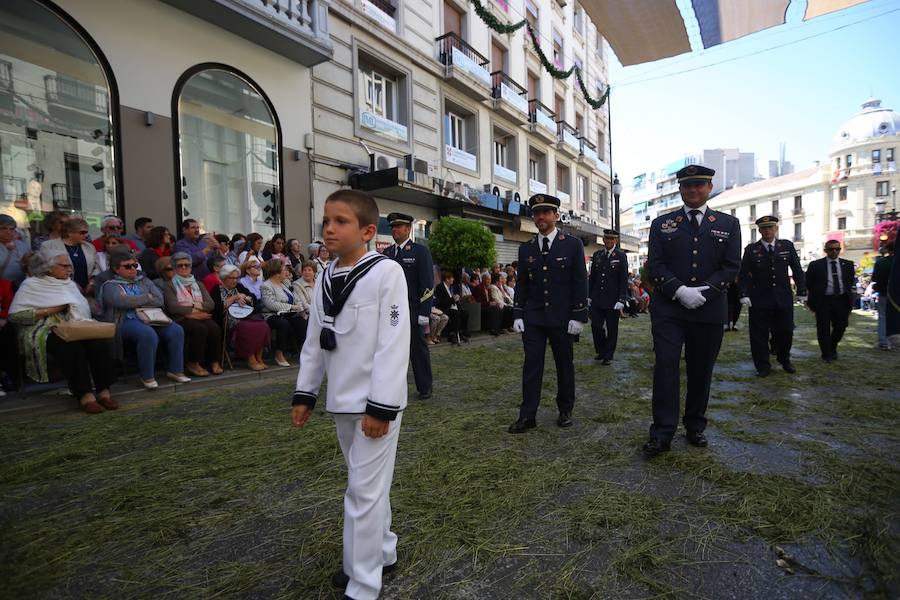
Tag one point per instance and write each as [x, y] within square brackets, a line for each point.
[546, 247]
[695, 220]
[771, 249]
[835, 280]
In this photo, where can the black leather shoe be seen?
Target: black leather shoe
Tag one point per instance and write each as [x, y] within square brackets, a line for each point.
[834, 355]
[425, 395]
[828, 359]
[564, 420]
[655, 447]
[598, 357]
[763, 372]
[696, 438]
[605, 362]
[341, 579]
[789, 367]
[522, 425]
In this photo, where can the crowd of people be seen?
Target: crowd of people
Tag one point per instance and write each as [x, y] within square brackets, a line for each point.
[188, 303]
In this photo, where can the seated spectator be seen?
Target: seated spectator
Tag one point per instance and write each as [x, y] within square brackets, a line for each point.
[198, 247]
[121, 295]
[213, 263]
[82, 253]
[223, 246]
[312, 250]
[498, 300]
[112, 225]
[235, 246]
[491, 313]
[53, 224]
[248, 336]
[252, 248]
[107, 274]
[303, 286]
[281, 309]
[274, 248]
[465, 290]
[109, 244]
[510, 288]
[191, 306]
[159, 244]
[12, 250]
[436, 323]
[142, 228]
[251, 277]
[504, 289]
[295, 254]
[323, 257]
[166, 271]
[444, 299]
[45, 299]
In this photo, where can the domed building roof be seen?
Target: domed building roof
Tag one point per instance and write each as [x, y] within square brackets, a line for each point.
[871, 123]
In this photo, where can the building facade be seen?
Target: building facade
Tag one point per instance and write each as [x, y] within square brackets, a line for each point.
[246, 114]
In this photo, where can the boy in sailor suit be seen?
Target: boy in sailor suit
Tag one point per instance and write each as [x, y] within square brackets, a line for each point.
[358, 335]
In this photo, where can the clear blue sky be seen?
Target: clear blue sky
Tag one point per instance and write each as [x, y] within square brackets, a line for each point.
[799, 94]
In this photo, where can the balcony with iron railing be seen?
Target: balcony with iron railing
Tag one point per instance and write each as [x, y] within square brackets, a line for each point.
[568, 139]
[464, 67]
[68, 93]
[381, 11]
[296, 29]
[542, 119]
[509, 98]
[588, 154]
[797, 212]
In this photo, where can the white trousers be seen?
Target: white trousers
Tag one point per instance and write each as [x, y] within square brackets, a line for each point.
[369, 543]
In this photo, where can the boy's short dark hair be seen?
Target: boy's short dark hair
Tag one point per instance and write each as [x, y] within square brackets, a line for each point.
[446, 274]
[141, 221]
[363, 205]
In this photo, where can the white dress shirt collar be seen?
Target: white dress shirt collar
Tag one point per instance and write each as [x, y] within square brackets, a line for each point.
[688, 209]
[551, 237]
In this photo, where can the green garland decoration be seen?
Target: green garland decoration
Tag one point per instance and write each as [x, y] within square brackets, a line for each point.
[492, 22]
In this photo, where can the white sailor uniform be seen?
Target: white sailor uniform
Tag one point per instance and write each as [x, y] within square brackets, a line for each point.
[366, 372]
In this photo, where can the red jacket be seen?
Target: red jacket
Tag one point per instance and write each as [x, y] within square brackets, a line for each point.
[6, 297]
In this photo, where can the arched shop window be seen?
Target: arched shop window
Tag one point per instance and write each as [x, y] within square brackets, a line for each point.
[57, 101]
[228, 153]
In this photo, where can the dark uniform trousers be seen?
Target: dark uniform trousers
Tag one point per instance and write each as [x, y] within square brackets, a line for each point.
[419, 356]
[605, 331]
[535, 341]
[832, 318]
[778, 322]
[701, 342]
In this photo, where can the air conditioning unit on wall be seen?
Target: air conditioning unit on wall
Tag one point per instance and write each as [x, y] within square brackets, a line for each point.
[379, 161]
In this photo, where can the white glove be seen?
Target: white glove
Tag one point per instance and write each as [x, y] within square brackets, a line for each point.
[801, 299]
[746, 302]
[519, 326]
[575, 327]
[618, 306]
[691, 297]
[423, 320]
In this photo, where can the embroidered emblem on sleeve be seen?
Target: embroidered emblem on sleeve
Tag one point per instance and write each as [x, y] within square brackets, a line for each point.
[395, 315]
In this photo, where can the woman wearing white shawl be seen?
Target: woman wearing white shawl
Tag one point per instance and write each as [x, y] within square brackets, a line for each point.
[45, 299]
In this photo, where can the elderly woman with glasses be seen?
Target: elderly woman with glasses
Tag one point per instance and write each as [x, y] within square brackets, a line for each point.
[248, 335]
[45, 299]
[82, 253]
[283, 309]
[121, 296]
[251, 276]
[191, 306]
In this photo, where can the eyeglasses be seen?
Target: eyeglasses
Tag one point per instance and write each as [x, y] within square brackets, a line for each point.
[64, 266]
[183, 266]
[832, 249]
[114, 227]
[129, 266]
[168, 269]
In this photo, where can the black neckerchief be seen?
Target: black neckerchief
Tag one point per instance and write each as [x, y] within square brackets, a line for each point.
[336, 290]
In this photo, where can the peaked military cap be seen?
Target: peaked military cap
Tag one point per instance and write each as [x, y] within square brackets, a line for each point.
[766, 221]
[610, 233]
[543, 201]
[695, 174]
[399, 218]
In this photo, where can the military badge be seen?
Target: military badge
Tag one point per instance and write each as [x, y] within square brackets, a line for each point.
[679, 218]
[711, 218]
[395, 315]
[530, 259]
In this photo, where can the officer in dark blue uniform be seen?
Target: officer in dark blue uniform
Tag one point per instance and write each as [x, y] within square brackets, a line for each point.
[695, 254]
[550, 306]
[608, 291]
[419, 270]
[765, 288]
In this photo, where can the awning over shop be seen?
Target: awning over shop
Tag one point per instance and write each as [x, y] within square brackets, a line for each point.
[642, 31]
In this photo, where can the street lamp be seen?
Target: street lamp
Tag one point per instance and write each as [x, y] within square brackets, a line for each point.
[617, 191]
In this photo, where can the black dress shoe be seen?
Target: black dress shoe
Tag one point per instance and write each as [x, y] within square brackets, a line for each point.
[522, 425]
[763, 372]
[564, 420]
[789, 367]
[605, 362]
[696, 438]
[425, 395]
[834, 355]
[341, 579]
[598, 357]
[655, 447]
[828, 358]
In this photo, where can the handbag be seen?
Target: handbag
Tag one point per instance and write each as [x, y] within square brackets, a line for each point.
[73, 331]
[155, 317]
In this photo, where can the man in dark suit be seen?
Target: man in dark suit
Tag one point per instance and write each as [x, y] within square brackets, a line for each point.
[765, 288]
[419, 270]
[831, 282]
[446, 301]
[550, 305]
[608, 291]
[695, 254]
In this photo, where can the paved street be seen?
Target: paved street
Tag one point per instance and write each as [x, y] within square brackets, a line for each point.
[213, 494]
